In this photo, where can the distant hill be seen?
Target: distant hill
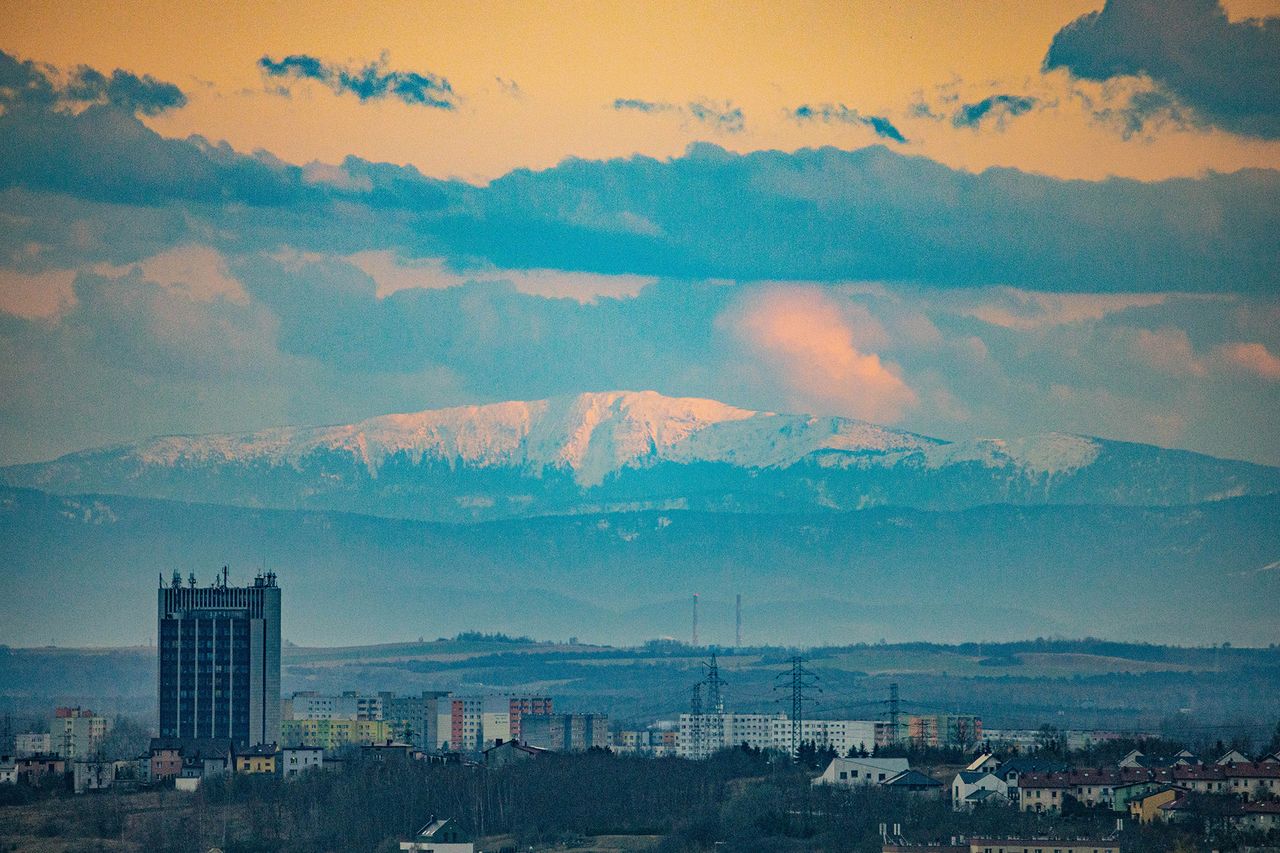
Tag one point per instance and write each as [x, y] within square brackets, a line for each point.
[628, 451]
[82, 570]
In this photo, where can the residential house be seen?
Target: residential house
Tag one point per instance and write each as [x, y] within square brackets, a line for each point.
[862, 771]
[256, 759]
[1013, 769]
[1260, 816]
[1042, 845]
[295, 760]
[388, 751]
[1233, 756]
[39, 769]
[1146, 808]
[8, 771]
[440, 836]
[172, 758]
[1136, 758]
[971, 787]
[92, 775]
[915, 782]
[988, 762]
[1042, 792]
[506, 752]
[1253, 781]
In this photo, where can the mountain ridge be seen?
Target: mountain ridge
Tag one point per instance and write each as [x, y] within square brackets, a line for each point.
[633, 450]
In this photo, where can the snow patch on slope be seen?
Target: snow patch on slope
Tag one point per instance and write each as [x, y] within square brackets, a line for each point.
[1051, 454]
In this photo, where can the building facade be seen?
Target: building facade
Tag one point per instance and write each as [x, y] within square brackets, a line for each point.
[32, 743]
[219, 660]
[474, 723]
[76, 733]
[565, 732]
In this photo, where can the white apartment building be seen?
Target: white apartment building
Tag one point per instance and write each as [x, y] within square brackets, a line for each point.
[704, 734]
[350, 705]
[32, 743]
[840, 735]
[76, 733]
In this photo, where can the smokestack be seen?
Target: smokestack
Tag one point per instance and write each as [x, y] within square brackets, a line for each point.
[737, 618]
[695, 619]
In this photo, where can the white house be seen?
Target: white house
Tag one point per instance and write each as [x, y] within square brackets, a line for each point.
[862, 771]
[296, 759]
[1234, 756]
[971, 787]
[439, 836]
[8, 771]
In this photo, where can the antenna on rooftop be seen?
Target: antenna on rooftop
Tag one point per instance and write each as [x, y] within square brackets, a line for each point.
[695, 620]
[737, 623]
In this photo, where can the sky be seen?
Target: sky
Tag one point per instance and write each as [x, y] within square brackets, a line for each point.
[963, 219]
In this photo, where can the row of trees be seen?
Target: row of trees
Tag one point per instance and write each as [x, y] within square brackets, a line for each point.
[741, 799]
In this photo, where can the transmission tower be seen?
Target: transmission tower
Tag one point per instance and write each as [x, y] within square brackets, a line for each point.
[894, 711]
[695, 722]
[714, 730]
[802, 684]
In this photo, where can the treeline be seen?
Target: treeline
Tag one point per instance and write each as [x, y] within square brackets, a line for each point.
[737, 800]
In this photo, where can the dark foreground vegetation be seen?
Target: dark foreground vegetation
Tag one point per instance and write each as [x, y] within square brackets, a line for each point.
[738, 800]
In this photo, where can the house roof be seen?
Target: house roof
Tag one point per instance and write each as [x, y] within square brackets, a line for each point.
[913, 779]
[983, 760]
[516, 745]
[1029, 765]
[971, 776]
[982, 794]
[432, 827]
[192, 748]
[1043, 780]
[1253, 771]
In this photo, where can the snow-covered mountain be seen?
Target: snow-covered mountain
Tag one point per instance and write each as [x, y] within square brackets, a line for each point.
[623, 450]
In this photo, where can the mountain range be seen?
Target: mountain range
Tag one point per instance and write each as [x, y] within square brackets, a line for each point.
[633, 451]
[599, 516]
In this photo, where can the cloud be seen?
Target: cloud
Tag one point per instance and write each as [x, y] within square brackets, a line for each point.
[1013, 308]
[391, 273]
[722, 117]
[1167, 350]
[1253, 358]
[997, 107]
[1225, 71]
[821, 215]
[803, 339]
[27, 84]
[828, 113]
[369, 82]
[642, 106]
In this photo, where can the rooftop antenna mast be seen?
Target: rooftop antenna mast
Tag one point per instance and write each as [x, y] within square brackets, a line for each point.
[695, 620]
[737, 623]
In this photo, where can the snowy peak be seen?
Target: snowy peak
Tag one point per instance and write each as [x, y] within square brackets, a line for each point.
[593, 435]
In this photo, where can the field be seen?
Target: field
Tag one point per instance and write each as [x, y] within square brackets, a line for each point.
[1071, 684]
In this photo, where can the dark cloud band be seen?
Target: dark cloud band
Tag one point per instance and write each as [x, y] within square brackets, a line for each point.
[1225, 71]
[829, 113]
[369, 82]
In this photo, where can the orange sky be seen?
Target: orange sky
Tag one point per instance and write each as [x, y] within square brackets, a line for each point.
[572, 59]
